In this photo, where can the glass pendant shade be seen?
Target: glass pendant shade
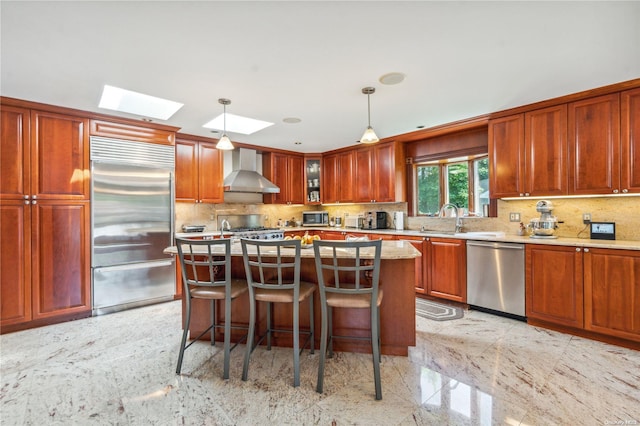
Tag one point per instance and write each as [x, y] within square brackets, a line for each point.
[224, 143]
[369, 136]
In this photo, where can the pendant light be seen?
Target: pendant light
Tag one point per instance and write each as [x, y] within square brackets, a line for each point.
[224, 142]
[369, 135]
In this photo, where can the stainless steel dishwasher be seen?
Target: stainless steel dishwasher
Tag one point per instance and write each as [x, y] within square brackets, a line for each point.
[495, 277]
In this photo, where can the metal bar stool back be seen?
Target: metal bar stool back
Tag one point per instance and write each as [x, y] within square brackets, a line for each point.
[348, 277]
[206, 274]
[272, 268]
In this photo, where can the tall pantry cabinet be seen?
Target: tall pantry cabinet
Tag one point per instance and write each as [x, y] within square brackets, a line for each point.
[44, 217]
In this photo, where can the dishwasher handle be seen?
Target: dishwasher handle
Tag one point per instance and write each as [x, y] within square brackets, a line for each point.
[495, 245]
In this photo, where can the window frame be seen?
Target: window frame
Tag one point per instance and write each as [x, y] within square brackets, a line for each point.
[443, 164]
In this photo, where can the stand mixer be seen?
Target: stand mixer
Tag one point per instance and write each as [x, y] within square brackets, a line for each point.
[544, 226]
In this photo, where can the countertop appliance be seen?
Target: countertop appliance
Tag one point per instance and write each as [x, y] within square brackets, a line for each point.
[544, 226]
[398, 221]
[495, 277]
[352, 221]
[315, 218]
[374, 220]
[132, 223]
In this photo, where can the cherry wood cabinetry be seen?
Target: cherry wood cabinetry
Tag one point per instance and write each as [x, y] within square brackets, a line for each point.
[287, 172]
[589, 291]
[376, 174]
[594, 145]
[112, 129]
[612, 292]
[45, 220]
[199, 174]
[447, 268]
[553, 281]
[529, 153]
[630, 148]
[338, 182]
[421, 262]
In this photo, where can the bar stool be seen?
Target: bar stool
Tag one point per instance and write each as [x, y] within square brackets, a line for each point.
[351, 281]
[209, 262]
[273, 274]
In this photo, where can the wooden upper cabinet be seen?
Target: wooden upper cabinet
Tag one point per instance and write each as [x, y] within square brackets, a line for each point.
[116, 130]
[554, 284]
[330, 178]
[199, 174]
[364, 182]
[545, 162]
[506, 154]
[630, 152]
[376, 174]
[210, 173]
[15, 151]
[287, 172]
[612, 292]
[594, 145]
[59, 156]
[346, 177]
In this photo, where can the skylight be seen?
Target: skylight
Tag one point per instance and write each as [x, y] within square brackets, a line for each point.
[237, 124]
[117, 99]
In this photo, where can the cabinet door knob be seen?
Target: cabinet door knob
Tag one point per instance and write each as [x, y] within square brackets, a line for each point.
[521, 194]
[27, 202]
[526, 194]
[26, 197]
[34, 202]
[615, 191]
[625, 190]
[33, 197]
[577, 248]
[586, 250]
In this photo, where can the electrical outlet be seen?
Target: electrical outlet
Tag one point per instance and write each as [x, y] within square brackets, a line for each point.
[586, 218]
[514, 217]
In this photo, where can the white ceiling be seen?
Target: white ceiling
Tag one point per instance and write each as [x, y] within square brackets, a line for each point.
[310, 59]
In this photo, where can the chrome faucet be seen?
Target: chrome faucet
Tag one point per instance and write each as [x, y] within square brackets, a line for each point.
[224, 223]
[458, 214]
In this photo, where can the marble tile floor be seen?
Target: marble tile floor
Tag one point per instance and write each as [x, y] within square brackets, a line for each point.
[119, 369]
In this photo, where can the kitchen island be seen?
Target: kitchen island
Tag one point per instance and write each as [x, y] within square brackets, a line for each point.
[397, 312]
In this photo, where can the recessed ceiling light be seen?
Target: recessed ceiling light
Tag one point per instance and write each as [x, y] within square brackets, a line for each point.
[392, 78]
[117, 99]
[291, 120]
[237, 124]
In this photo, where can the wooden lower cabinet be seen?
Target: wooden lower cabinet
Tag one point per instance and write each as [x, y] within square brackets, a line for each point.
[553, 281]
[612, 292]
[47, 276]
[594, 292]
[419, 243]
[447, 269]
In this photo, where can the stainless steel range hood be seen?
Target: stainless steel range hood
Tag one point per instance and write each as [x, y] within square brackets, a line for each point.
[244, 177]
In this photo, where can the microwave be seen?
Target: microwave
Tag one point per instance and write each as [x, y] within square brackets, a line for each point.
[315, 218]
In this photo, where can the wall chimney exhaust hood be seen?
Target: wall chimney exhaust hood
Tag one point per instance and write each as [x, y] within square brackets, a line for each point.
[244, 177]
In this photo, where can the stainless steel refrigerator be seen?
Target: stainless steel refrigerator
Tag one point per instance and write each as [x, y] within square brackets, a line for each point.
[132, 223]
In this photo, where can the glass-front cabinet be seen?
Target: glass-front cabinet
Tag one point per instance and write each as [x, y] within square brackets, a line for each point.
[312, 181]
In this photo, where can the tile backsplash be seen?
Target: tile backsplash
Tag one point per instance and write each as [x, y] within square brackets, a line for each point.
[624, 211]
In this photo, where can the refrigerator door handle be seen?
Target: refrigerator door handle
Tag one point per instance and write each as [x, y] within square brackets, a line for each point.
[130, 266]
[172, 212]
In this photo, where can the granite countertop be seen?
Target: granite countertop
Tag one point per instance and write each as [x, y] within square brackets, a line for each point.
[391, 250]
[478, 236]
